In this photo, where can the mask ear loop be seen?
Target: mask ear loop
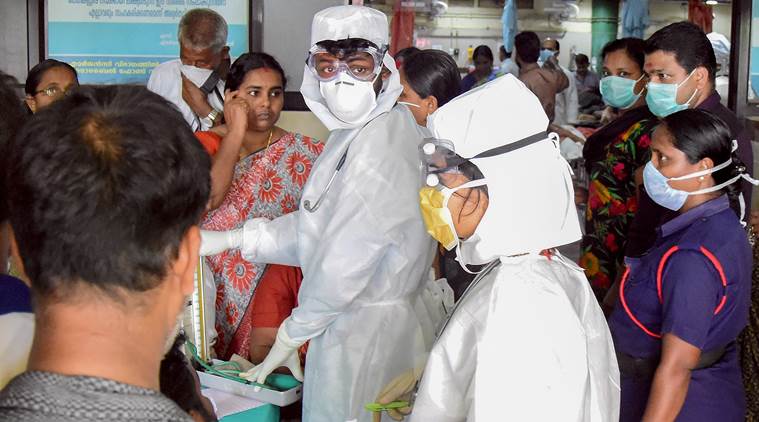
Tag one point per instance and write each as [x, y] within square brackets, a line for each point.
[704, 172]
[682, 83]
[448, 192]
[642, 89]
[742, 175]
[409, 104]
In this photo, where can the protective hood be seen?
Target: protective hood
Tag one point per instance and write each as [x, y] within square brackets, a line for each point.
[343, 22]
[531, 198]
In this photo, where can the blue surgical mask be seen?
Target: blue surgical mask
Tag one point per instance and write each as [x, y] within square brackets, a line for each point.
[658, 187]
[619, 92]
[662, 98]
[545, 55]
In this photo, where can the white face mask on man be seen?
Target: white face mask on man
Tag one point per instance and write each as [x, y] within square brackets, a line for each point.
[196, 75]
[349, 99]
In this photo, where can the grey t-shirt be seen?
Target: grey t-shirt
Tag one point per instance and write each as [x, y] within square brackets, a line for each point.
[46, 396]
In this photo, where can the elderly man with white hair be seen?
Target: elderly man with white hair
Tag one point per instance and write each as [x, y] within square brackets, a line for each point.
[195, 81]
[358, 235]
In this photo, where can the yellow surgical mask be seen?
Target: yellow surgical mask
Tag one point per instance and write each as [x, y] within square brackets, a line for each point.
[437, 218]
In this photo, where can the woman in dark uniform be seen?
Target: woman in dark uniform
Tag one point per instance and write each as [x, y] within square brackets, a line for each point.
[684, 303]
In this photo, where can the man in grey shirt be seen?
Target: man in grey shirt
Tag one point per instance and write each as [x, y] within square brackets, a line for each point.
[108, 187]
[586, 79]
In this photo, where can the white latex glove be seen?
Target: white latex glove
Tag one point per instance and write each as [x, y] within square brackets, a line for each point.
[283, 353]
[399, 389]
[212, 243]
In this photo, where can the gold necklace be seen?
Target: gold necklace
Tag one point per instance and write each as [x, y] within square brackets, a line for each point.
[271, 132]
[244, 153]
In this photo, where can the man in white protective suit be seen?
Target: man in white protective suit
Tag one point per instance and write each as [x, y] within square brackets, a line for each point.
[527, 341]
[358, 234]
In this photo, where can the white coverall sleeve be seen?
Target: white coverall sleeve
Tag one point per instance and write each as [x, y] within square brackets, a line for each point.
[446, 387]
[354, 244]
[272, 242]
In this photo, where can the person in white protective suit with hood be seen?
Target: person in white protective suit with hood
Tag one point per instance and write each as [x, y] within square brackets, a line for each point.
[358, 235]
[527, 341]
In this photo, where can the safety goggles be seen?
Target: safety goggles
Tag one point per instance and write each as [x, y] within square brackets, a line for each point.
[441, 164]
[442, 167]
[362, 63]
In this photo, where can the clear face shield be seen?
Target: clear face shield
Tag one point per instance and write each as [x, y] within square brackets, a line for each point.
[327, 59]
[442, 167]
[446, 174]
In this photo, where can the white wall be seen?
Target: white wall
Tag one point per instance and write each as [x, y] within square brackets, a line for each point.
[287, 33]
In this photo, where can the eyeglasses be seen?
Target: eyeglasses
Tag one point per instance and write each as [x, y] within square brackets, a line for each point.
[55, 91]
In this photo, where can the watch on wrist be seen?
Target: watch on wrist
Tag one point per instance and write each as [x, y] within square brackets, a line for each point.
[210, 120]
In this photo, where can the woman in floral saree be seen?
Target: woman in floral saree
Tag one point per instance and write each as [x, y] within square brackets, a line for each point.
[612, 155]
[259, 170]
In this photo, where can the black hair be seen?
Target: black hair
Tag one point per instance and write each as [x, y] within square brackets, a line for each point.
[433, 72]
[472, 172]
[689, 44]
[482, 50]
[35, 75]
[503, 51]
[105, 184]
[404, 54]
[469, 170]
[348, 43]
[558, 45]
[633, 47]
[700, 134]
[528, 46]
[582, 58]
[177, 381]
[249, 62]
[11, 120]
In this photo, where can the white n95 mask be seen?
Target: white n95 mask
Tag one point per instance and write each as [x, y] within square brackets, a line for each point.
[348, 99]
[196, 75]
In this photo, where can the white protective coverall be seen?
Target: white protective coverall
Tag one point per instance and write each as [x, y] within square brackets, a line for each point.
[529, 341]
[567, 104]
[365, 252]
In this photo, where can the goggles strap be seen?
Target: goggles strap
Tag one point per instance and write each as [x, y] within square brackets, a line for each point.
[503, 149]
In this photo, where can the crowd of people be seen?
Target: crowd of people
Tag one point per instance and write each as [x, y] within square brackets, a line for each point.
[405, 267]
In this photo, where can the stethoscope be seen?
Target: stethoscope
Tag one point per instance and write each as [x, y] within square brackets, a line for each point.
[307, 203]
